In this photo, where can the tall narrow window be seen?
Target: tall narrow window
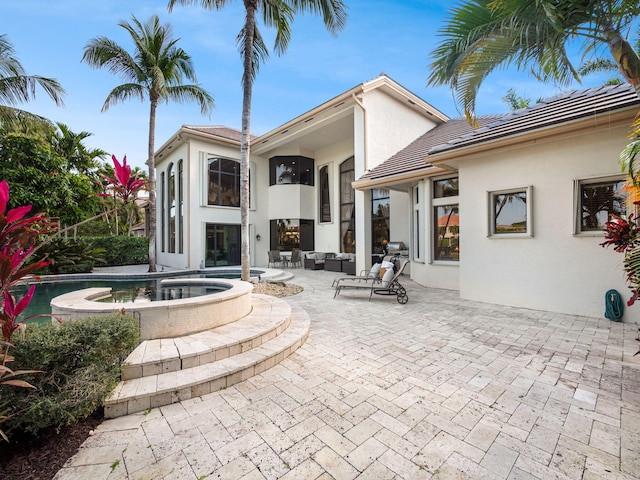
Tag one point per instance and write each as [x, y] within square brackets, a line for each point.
[347, 206]
[446, 220]
[325, 198]
[163, 213]
[417, 224]
[180, 206]
[379, 217]
[224, 182]
[171, 205]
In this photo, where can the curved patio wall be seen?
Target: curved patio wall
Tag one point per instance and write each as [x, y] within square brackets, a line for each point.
[165, 318]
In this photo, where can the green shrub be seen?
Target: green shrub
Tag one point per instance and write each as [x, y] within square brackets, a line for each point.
[122, 250]
[70, 256]
[81, 363]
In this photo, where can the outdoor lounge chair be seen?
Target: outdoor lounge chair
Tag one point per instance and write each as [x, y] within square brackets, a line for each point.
[372, 275]
[388, 285]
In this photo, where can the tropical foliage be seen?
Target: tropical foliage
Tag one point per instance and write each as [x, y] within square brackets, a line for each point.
[277, 14]
[18, 236]
[155, 71]
[483, 35]
[17, 87]
[41, 177]
[80, 365]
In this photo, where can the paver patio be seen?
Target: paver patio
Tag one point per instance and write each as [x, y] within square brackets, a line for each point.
[439, 388]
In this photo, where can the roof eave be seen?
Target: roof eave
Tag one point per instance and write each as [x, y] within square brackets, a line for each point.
[612, 119]
[348, 98]
[189, 132]
[390, 180]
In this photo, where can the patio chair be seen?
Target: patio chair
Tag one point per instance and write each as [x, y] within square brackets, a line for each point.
[388, 285]
[276, 260]
[296, 258]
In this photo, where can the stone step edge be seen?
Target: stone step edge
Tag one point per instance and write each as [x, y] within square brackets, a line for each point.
[180, 353]
[203, 379]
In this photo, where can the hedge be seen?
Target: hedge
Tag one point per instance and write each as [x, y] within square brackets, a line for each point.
[122, 249]
[81, 363]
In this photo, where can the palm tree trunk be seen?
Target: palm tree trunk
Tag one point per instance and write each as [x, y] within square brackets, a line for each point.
[625, 56]
[245, 147]
[152, 186]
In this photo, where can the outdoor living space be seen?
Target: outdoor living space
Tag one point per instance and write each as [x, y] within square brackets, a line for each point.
[437, 388]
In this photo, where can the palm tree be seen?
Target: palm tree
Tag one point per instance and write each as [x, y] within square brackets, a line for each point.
[482, 35]
[279, 15]
[17, 87]
[71, 147]
[155, 71]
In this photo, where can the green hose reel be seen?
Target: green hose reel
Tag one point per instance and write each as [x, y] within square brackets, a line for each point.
[613, 305]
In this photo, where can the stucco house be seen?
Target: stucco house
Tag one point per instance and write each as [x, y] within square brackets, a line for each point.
[509, 212]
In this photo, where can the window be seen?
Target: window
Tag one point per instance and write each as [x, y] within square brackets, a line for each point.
[510, 212]
[379, 217]
[286, 170]
[325, 197]
[180, 207]
[287, 234]
[347, 206]
[223, 187]
[163, 213]
[417, 223]
[596, 200]
[446, 224]
[223, 245]
[171, 213]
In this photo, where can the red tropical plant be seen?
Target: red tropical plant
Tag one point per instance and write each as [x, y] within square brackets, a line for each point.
[124, 185]
[18, 236]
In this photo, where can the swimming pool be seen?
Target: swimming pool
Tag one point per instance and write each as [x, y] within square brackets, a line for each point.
[123, 290]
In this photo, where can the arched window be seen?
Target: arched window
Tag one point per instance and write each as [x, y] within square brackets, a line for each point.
[224, 182]
[325, 197]
[180, 206]
[163, 213]
[347, 206]
[171, 205]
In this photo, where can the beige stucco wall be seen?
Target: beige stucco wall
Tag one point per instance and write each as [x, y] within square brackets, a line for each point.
[391, 126]
[554, 270]
[197, 213]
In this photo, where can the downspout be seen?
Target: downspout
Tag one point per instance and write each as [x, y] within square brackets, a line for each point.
[364, 128]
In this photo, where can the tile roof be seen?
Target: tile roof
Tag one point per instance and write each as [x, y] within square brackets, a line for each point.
[218, 131]
[553, 111]
[411, 158]
[457, 133]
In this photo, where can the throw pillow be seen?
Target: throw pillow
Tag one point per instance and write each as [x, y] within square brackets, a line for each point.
[375, 270]
[386, 279]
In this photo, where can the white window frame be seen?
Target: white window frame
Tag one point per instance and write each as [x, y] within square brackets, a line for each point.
[331, 192]
[440, 202]
[577, 202]
[492, 212]
[417, 220]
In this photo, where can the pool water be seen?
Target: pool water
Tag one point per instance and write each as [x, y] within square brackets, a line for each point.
[141, 290]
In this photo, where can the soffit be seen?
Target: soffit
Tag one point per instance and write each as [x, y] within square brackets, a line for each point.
[313, 133]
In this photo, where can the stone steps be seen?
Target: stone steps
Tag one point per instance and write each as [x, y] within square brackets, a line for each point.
[160, 372]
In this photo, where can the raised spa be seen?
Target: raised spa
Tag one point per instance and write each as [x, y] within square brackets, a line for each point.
[230, 301]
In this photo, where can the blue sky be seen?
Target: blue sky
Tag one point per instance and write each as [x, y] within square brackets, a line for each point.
[390, 36]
